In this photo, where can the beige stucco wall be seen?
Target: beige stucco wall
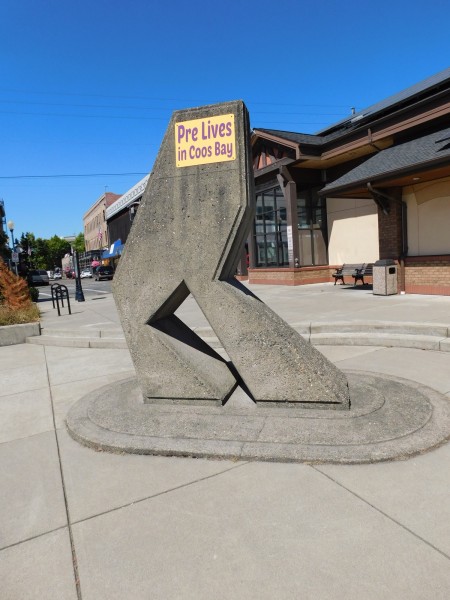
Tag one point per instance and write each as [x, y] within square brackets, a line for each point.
[352, 231]
[428, 217]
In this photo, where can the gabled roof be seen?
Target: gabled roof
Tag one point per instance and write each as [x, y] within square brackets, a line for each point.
[299, 138]
[420, 153]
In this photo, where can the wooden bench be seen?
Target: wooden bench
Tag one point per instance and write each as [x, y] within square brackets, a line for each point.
[346, 269]
[365, 271]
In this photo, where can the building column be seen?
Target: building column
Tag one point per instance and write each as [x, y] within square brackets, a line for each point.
[390, 227]
[289, 189]
[390, 233]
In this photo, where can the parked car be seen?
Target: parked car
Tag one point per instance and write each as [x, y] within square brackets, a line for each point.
[103, 273]
[85, 273]
[37, 277]
[57, 275]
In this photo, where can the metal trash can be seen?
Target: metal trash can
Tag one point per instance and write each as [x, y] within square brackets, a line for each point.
[385, 277]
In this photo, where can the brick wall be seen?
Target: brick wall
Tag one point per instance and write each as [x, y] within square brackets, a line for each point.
[390, 229]
[422, 275]
[289, 276]
[427, 275]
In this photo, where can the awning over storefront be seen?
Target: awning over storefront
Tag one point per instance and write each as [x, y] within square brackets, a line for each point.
[114, 250]
[128, 198]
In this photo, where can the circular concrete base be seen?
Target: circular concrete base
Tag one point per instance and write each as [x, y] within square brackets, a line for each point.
[390, 419]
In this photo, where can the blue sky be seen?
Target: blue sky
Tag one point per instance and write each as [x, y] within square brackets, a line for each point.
[87, 88]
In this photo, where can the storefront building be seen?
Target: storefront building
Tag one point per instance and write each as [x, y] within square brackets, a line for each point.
[119, 218]
[375, 185]
[94, 222]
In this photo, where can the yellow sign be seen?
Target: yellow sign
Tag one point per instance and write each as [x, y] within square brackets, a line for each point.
[203, 141]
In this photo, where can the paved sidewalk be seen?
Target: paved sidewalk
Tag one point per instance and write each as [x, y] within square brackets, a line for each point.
[321, 302]
[78, 524]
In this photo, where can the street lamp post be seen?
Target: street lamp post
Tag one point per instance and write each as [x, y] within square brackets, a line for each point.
[10, 226]
[79, 296]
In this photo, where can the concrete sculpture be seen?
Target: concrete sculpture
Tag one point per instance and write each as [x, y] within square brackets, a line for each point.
[187, 238]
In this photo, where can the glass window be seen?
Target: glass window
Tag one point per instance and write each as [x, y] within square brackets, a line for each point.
[303, 209]
[312, 228]
[270, 229]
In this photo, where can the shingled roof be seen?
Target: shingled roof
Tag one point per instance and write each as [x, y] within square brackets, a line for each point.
[427, 85]
[299, 138]
[419, 154]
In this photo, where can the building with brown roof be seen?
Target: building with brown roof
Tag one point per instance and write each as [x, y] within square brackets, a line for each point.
[373, 186]
[95, 229]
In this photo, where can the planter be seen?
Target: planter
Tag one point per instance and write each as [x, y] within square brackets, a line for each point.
[17, 334]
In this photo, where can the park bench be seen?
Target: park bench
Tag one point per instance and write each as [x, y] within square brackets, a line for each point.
[365, 271]
[346, 270]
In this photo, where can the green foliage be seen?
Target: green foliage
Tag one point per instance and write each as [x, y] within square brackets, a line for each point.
[57, 248]
[39, 254]
[44, 254]
[27, 240]
[78, 243]
[34, 294]
[5, 252]
[28, 244]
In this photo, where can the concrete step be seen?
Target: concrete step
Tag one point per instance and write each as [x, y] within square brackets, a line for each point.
[78, 342]
[444, 345]
[389, 340]
[441, 330]
[80, 332]
[425, 336]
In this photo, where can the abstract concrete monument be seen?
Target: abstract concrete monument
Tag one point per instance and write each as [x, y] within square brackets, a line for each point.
[187, 238]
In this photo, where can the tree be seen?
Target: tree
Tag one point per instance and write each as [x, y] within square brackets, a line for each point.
[78, 243]
[38, 253]
[5, 252]
[13, 289]
[28, 243]
[57, 248]
[27, 240]
[43, 254]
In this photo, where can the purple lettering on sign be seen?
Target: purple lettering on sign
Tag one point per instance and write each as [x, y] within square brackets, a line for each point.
[180, 133]
[209, 130]
[200, 141]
